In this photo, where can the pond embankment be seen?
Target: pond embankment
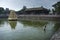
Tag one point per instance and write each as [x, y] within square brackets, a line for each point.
[35, 17]
[56, 36]
[39, 17]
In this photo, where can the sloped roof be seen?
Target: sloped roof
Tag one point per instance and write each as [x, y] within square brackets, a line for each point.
[37, 8]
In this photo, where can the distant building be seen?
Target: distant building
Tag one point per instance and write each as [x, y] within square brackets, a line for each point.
[33, 11]
[7, 10]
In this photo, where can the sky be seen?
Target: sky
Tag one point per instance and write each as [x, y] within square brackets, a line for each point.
[18, 4]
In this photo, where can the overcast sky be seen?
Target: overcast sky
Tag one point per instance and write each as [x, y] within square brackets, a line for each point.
[18, 4]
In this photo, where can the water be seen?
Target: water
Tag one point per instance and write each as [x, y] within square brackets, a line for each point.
[27, 30]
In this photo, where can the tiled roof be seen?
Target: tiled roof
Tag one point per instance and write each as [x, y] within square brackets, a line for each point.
[38, 8]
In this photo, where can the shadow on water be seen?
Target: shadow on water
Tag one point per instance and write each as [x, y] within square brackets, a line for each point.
[2, 22]
[57, 26]
[34, 23]
[45, 28]
[13, 24]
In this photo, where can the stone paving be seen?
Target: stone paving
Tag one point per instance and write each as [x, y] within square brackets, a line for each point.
[56, 36]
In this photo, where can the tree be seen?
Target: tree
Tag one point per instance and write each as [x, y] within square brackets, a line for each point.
[1, 10]
[24, 7]
[53, 11]
[57, 7]
[22, 10]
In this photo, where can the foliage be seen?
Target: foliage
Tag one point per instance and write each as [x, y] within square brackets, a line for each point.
[24, 7]
[57, 7]
[1, 10]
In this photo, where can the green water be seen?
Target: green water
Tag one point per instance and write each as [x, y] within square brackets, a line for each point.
[27, 30]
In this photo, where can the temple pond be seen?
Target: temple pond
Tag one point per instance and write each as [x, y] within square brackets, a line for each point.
[27, 30]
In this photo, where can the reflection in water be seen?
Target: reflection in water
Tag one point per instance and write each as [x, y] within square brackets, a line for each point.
[1, 22]
[27, 30]
[34, 23]
[13, 24]
[57, 26]
[45, 28]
